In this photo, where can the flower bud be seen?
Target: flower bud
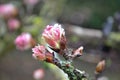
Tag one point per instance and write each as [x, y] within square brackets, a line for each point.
[8, 10]
[13, 24]
[100, 66]
[40, 53]
[24, 41]
[77, 52]
[38, 74]
[54, 36]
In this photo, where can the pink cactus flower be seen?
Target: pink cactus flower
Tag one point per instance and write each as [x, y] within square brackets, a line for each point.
[23, 41]
[13, 24]
[38, 74]
[54, 36]
[39, 52]
[8, 10]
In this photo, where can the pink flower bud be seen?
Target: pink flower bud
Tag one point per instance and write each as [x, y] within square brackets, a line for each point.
[13, 24]
[8, 10]
[55, 36]
[24, 41]
[39, 52]
[38, 74]
[77, 52]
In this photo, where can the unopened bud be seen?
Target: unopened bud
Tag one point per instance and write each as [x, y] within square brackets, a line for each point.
[54, 36]
[24, 41]
[40, 53]
[100, 66]
[8, 10]
[78, 52]
[13, 24]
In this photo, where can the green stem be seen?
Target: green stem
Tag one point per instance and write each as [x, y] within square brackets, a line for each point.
[73, 74]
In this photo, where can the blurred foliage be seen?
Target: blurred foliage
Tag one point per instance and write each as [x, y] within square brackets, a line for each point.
[74, 38]
[114, 40]
[97, 11]
[115, 36]
[52, 8]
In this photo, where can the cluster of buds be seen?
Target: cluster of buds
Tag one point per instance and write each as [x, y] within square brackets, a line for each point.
[24, 41]
[54, 42]
[9, 12]
[54, 38]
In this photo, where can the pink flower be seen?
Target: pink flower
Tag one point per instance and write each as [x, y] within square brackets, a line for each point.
[38, 74]
[24, 41]
[8, 10]
[54, 36]
[39, 52]
[13, 24]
